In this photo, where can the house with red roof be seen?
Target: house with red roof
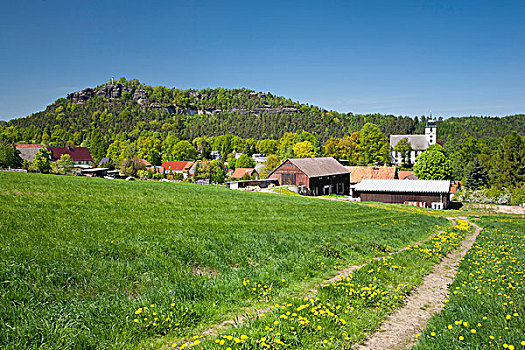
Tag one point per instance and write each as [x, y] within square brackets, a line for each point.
[177, 167]
[239, 173]
[79, 155]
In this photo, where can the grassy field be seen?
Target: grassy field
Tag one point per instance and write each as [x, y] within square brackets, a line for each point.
[487, 302]
[343, 312]
[80, 257]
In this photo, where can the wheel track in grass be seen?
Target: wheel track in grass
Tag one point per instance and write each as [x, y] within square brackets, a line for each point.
[239, 320]
[400, 329]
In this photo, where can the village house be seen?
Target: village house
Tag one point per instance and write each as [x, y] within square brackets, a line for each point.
[419, 143]
[239, 173]
[424, 193]
[177, 167]
[314, 176]
[28, 151]
[79, 155]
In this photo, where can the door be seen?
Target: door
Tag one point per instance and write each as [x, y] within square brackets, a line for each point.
[288, 179]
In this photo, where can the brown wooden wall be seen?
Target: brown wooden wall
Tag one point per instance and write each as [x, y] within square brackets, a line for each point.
[287, 169]
[340, 184]
[394, 197]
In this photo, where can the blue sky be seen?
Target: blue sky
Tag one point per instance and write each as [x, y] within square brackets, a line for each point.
[398, 57]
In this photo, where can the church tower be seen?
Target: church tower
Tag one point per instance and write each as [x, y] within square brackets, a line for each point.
[430, 131]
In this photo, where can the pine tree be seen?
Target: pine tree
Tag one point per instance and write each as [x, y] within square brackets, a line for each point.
[476, 175]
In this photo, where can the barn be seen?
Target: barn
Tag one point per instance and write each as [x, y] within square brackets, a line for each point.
[313, 176]
[427, 192]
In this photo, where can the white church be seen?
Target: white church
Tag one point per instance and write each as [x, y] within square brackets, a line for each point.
[419, 143]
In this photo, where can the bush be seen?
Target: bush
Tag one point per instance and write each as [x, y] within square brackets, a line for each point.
[518, 196]
[485, 196]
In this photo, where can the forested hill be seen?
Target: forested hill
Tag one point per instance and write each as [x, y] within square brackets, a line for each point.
[130, 108]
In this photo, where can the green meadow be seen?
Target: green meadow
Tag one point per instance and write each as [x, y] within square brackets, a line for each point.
[80, 256]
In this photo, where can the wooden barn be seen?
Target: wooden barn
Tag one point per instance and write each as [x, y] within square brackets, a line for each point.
[314, 176]
[430, 193]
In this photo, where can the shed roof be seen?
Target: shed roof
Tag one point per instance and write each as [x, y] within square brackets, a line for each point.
[28, 151]
[105, 160]
[417, 142]
[94, 170]
[77, 154]
[421, 186]
[315, 167]
[358, 173]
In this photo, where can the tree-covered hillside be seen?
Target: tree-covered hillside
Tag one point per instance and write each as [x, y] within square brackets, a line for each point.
[135, 109]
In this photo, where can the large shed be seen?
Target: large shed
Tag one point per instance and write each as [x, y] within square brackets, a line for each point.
[401, 191]
[314, 176]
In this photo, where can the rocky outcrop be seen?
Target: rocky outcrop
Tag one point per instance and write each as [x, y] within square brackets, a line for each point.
[81, 96]
[110, 91]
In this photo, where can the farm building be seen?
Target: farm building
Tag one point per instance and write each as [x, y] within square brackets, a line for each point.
[28, 151]
[358, 173]
[95, 172]
[79, 155]
[425, 192]
[239, 173]
[235, 185]
[314, 176]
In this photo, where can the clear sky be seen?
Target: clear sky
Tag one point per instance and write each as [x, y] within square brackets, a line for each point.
[398, 57]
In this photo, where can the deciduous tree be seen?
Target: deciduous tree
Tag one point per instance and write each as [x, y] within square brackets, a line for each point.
[433, 165]
[303, 149]
[41, 161]
[403, 148]
[373, 145]
[245, 161]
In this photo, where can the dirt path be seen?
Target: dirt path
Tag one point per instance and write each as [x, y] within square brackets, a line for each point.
[399, 330]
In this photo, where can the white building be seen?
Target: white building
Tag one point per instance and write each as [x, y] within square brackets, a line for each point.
[419, 143]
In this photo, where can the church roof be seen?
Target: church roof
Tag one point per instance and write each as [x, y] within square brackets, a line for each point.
[418, 142]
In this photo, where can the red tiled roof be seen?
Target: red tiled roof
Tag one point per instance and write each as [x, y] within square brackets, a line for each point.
[240, 172]
[358, 173]
[77, 154]
[176, 165]
[403, 174]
